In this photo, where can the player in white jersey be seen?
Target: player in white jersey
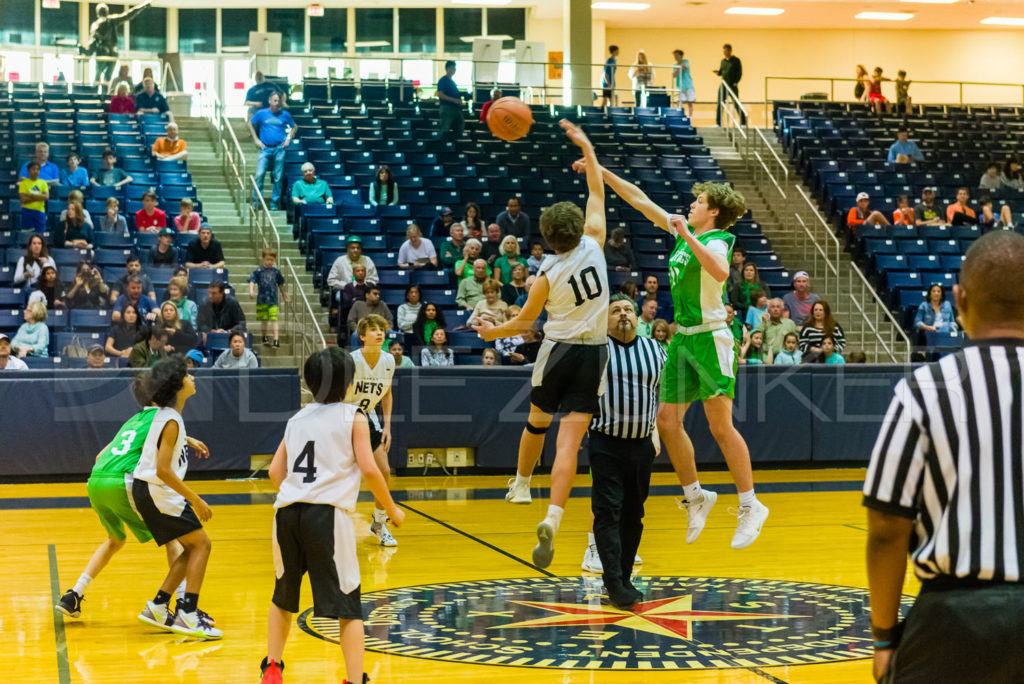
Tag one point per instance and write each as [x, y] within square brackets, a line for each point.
[568, 376]
[372, 386]
[169, 507]
[317, 469]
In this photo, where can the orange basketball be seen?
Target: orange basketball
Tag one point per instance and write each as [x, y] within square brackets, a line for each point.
[509, 118]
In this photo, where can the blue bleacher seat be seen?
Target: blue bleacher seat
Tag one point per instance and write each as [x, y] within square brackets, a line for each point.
[13, 297]
[85, 320]
[11, 319]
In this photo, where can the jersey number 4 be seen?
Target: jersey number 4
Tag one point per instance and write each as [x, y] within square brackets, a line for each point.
[591, 285]
[306, 463]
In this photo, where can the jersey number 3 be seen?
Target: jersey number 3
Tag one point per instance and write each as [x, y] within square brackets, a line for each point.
[306, 463]
[591, 285]
[127, 437]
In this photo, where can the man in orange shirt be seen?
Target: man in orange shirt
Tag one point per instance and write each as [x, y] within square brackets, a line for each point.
[170, 147]
[861, 214]
[959, 213]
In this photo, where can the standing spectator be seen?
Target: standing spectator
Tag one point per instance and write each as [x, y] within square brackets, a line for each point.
[206, 252]
[648, 312]
[515, 287]
[33, 337]
[730, 71]
[513, 221]
[608, 77]
[75, 227]
[819, 324]
[903, 100]
[8, 362]
[682, 78]
[48, 171]
[862, 214]
[150, 350]
[875, 97]
[112, 221]
[790, 354]
[903, 215]
[926, 212]
[74, 176]
[739, 258]
[437, 353]
[1013, 175]
[486, 107]
[491, 248]
[416, 252]
[132, 267]
[125, 333]
[536, 257]
[642, 75]
[429, 319]
[310, 189]
[164, 253]
[220, 313]
[361, 309]
[276, 130]
[509, 257]
[150, 218]
[151, 101]
[170, 147]
[860, 89]
[187, 221]
[491, 306]
[409, 309]
[341, 270]
[383, 190]
[617, 253]
[442, 222]
[452, 248]
[960, 213]
[472, 222]
[935, 314]
[30, 265]
[266, 282]
[88, 291]
[33, 192]
[775, 326]
[798, 302]
[237, 355]
[401, 360]
[110, 175]
[452, 121]
[48, 290]
[103, 37]
[181, 335]
[258, 96]
[904, 150]
[470, 253]
[471, 289]
[740, 294]
[133, 295]
[177, 294]
[122, 101]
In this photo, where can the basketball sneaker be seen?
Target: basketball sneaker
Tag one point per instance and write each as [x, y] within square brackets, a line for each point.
[637, 560]
[364, 680]
[518, 494]
[751, 518]
[380, 528]
[273, 672]
[156, 614]
[177, 607]
[592, 561]
[544, 551]
[697, 513]
[70, 604]
[190, 624]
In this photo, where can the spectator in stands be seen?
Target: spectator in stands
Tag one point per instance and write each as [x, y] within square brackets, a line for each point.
[276, 130]
[471, 289]
[122, 101]
[146, 73]
[95, 359]
[177, 294]
[790, 354]
[352, 292]
[489, 357]
[237, 355]
[682, 79]
[652, 291]
[30, 265]
[401, 360]
[1013, 175]
[437, 353]
[181, 335]
[133, 267]
[76, 196]
[739, 257]
[125, 333]
[903, 214]
[521, 299]
[536, 257]
[491, 248]
[904, 150]
[110, 175]
[508, 258]
[527, 351]
[987, 219]
[829, 351]
[205, 252]
[88, 291]
[133, 295]
[49, 290]
[112, 221]
[903, 100]
[383, 189]
[935, 313]
[443, 222]
[452, 121]
[730, 71]
[452, 248]
[194, 359]
[506, 345]
[661, 332]
[819, 324]
[8, 362]
[429, 319]
[48, 171]
[754, 351]
[875, 97]
[151, 101]
[416, 252]
[149, 350]
[170, 147]
[258, 96]
[409, 309]
[959, 213]
[642, 76]
[267, 284]
[740, 294]
[371, 305]
[862, 214]
[75, 227]
[757, 310]
[311, 190]
[990, 180]
[341, 270]
[33, 337]
[150, 218]
[470, 253]
[474, 225]
[608, 77]
[648, 312]
[617, 253]
[513, 221]
[220, 313]
[516, 285]
[187, 221]
[74, 176]
[926, 212]
[734, 324]
[798, 302]
[860, 89]
[776, 325]
[33, 192]
[491, 306]
[486, 106]
[164, 253]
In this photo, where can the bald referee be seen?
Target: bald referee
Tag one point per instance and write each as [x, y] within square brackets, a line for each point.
[945, 484]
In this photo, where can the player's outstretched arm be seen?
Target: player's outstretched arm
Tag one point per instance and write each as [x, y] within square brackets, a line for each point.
[714, 264]
[371, 473]
[595, 225]
[633, 196]
[527, 317]
[278, 470]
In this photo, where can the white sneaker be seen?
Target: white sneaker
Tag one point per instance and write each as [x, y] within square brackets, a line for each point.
[544, 552]
[697, 513]
[592, 561]
[155, 614]
[383, 533]
[518, 494]
[637, 560]
[191, 624]
[751, 518]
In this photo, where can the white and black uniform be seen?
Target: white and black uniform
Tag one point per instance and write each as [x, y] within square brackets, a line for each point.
[166, 513]
[569, 372]
[368, 388]
[312, 530]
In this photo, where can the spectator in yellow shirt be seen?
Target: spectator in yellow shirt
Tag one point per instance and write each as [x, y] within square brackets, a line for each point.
[33, 192]
[170, 147]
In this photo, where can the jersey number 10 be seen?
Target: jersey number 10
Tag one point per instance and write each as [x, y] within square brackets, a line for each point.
[591, 285]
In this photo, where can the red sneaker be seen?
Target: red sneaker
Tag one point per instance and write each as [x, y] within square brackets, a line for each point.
[272, 672]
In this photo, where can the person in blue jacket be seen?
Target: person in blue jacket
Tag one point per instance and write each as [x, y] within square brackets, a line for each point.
[935, 313]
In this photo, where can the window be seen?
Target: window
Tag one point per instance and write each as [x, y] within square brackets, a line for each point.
[507, 22]
[291, 24]
[58, 23]
[17, 22]
[462, 23]
[197, 30]
[149, 30]
[114, 9]
[375, 30]
[417, 30]
[235, 25]
[329, 33]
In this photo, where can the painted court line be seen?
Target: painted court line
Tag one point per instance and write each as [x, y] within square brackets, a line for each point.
[63, 668]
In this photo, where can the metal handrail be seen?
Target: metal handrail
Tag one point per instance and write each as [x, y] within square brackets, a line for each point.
[1017, 87]
[260, 219]
[301, 336]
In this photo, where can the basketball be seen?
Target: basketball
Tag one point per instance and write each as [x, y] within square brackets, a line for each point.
[509, 118]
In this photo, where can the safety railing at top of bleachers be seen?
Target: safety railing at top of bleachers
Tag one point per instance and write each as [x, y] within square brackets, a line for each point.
[306, 334]
[736, 124]
[922, 92]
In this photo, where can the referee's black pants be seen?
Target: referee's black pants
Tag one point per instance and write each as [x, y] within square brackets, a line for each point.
[621, 469]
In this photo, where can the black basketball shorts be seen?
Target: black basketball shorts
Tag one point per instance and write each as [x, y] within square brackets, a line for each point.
[569, 377]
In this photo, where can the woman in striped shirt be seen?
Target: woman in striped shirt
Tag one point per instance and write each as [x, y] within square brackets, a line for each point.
[819, 324]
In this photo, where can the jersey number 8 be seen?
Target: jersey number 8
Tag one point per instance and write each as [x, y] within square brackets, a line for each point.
[591, 285]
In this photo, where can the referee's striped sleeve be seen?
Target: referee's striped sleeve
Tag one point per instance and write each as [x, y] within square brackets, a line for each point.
[895, 473]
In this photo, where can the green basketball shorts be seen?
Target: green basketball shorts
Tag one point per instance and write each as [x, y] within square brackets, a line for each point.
[700, 366]
[108, 497]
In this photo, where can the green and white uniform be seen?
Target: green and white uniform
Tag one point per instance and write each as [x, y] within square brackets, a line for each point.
[702, 356]
[111, 478]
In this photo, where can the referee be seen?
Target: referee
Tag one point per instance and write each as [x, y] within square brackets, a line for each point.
[621, 448]
[945, 483]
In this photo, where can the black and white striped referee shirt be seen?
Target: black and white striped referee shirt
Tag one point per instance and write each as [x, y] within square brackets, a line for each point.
[950, 456]
[630, 401]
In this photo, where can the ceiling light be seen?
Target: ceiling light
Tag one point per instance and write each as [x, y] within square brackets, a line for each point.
[470, 39]
[373, 43]
[1004, 21]
[632, 6]
[481, 2]
[885, 16]
[760, 11]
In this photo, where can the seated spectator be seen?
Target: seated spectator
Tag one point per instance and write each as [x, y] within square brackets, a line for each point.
[443, 223]
[110, 175]
[383, 190]
[987, 219]
[95, 359]
[507, 345]
[486, 106]
[164, 253]
[829, 352]
[353, 291]
[536, 257]
[648, 312]
[489, 357]
[76, 197]
[754, 351]
[112, 221]
[221, 312]
[653, 291]
[903, 214]
[526, 352]
[452, 248]
[855, 357]
[205, 252]
[187, 221]
[122, 101]
[48, 171]
[935, 314]
[177, 294]
[491, 305]
[757, 310]
[268, 284]
[471, 289]
[77, 231]
[437, 353]
[740, 294]
[416, 252]
[181, 335]
[341, 270]
[959, 213]
[151, 101]
[507, 259]
[149, 350]
[371, 305]
[150, 218]
[146, 73]
[775, 325]
[409, 309]
[33, 192]
[819, 324]
[516, 285]
[1012, 176]
[862, 213]
[790, 354]
[33, 337]
[798, 302]
[470, 253]
[617, 253]
[429, 319]
[133, 295]
[661, 332]
[401, 360]
[490, 249]
[74, 176]
[194, 359]
[734, 324]
[30, 265]
[904, 150]
[124, 75]
[310, 189]
[514, 221]
[990, 179]
[49, 291]
[8, 362]
[926, 212]
[170, 147]
[125, 333]
[630, 289]
[133, 267]
[472, 221]
[88, 291]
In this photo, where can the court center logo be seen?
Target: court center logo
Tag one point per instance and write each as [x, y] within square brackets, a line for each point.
[561, 622]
